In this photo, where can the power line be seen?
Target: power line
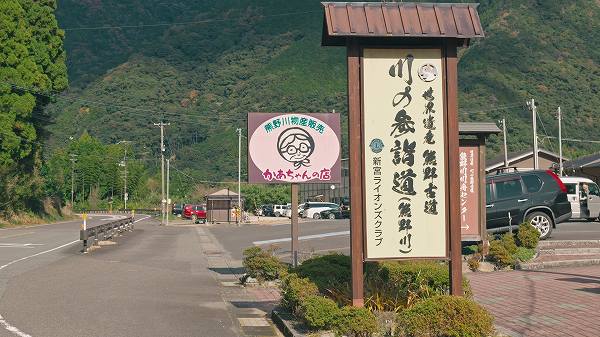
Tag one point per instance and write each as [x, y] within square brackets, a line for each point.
[166, 24]
[204, 181]
[576, 140]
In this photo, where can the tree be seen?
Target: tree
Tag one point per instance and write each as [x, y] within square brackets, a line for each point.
[32, 61]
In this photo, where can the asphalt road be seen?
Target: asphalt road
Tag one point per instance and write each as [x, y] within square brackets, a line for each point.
[154, 282]
[321, 236]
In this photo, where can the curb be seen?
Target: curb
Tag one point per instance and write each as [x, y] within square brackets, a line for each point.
[281, 320]
[556, 264]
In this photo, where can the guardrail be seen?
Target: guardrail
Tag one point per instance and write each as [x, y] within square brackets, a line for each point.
[149, 211]
[92, 235]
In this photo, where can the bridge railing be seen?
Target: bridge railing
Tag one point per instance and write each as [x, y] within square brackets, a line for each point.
[91, 235]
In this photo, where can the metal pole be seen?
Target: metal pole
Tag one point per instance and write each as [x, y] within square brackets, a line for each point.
[239, 131]
[125, 195]
[560, 153]
[294, 225]
[162, 169]
[536, 163]
[505, 145]
[73, 160]
[168, 202]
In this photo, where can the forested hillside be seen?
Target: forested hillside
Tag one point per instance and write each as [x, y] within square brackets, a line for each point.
[130, 66]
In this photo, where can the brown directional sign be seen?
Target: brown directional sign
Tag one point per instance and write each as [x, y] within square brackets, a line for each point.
[470, 193]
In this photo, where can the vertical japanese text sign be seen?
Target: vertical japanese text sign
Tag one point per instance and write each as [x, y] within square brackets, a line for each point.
[470, 193]
[404, 153]
[294, 148]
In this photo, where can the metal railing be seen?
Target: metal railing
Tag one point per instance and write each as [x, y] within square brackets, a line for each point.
[91, 235]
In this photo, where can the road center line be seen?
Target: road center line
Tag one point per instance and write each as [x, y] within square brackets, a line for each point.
[37, 254]
[138, 220]
[306, 237]
[12, 329]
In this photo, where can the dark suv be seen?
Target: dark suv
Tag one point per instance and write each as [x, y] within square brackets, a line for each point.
[538, 197]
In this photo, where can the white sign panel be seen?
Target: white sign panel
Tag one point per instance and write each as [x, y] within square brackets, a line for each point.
[405, 171]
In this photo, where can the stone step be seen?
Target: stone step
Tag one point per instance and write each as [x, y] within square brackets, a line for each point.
[561, 244]
[553, 261]
[569, 251]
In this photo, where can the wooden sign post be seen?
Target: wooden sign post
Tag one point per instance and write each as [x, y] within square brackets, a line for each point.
[403, 129]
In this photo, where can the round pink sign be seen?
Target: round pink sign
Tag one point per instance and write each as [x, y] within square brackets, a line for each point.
[294, 148]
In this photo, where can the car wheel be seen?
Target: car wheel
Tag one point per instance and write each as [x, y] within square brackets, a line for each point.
[592, 219]
[277, 214]
[331, 216]
[543, 223]
[317, 216]
[194, 218]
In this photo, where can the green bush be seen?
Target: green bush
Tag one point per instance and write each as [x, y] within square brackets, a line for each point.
[528, 236]
[524, 254]
[319, 312]
[500, 255]
[356, 322]
[445, 316]
[263, 265]
[471, 249]
[294, 290]
[508, 241]
[473, 262]
[327, 271]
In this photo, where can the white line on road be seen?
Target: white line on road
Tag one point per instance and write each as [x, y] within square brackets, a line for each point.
[38, 254]
[138, 220]
[12, 328]
[306, 237]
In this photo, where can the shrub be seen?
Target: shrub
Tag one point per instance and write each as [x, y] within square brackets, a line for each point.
[327, 271]
[528, 236]
[445, 316]
[319, 312]
[524, 254]
[294, 290]
[473, 262]
[263, 265]
[356, 322]
[508, 241]
[472, 249]
[500, 255]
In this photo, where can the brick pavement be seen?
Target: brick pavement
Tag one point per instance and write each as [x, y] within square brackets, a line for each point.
[554, 302]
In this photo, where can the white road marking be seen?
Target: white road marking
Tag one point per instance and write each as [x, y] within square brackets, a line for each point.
[138, 220]
[306, 237]
[11, 328]
[19, 245]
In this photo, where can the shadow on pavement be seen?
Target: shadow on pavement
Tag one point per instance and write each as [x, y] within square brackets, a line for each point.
[228, 271]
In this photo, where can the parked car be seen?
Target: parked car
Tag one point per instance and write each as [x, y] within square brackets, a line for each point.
[279, 210]
[538, 197]
[267, 210]
[288, 210]
[585, 202]
[195, 212]
[177, 209]
[332, 214]
[314, 209]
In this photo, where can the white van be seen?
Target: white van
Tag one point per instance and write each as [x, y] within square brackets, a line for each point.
[279, 210]
[313, 209]
[584, 204]
[288, 210]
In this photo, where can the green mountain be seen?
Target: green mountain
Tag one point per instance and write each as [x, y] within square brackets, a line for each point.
[203, 65]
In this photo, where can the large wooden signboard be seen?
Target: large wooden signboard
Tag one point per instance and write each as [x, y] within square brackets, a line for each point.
[404, 153]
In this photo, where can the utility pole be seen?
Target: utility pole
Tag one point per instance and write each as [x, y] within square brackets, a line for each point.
[162, 169]
[168, 199]
[560, 155]
[533, 107]
[239, 131]
[125, 195]
[503, 122]
[73, 160]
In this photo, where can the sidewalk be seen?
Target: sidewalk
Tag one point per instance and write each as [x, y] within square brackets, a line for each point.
[555, 302]
[250, 306]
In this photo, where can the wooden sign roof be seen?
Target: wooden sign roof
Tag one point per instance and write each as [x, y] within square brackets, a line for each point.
[385, 20]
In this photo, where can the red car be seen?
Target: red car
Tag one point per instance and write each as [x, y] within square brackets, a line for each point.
[195, 212]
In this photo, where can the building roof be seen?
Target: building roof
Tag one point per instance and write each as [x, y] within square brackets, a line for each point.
[405, 19]
[498, 161]
[222, 194]
[592, 160]
[476, 128]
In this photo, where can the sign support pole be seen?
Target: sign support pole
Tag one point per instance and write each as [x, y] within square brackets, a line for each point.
[453, 169]
[356, 197]
[294, 225]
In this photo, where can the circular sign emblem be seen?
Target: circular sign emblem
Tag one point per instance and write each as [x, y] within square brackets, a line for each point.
[427, 72]
[376, 145]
